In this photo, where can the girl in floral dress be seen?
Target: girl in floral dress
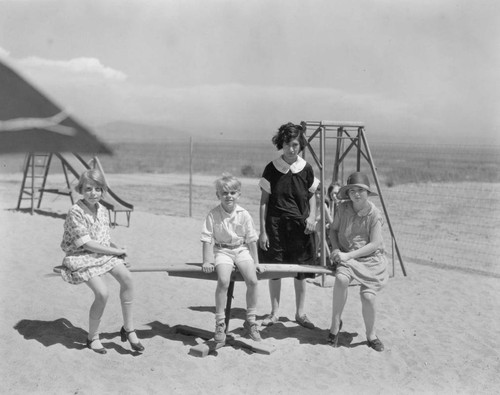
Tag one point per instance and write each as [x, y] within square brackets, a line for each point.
[90, 254]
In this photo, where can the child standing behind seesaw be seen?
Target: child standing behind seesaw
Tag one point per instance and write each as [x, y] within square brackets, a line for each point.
[90, 254]
[231, 229]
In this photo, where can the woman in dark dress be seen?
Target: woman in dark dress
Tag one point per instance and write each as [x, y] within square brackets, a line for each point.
[287, 216]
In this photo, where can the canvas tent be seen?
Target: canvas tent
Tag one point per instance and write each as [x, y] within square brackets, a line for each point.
[30, 122]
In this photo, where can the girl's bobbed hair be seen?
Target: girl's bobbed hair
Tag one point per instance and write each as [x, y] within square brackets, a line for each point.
[287, 133]
[92, 175]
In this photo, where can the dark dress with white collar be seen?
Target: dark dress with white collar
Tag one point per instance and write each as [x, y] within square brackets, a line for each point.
[290, 187]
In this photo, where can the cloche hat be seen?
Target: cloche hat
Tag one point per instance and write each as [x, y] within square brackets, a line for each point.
[357, 179]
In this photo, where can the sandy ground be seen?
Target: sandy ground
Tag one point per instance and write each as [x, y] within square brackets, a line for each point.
[440, 327]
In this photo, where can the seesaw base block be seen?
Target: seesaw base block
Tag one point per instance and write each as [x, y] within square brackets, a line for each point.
[210, 346]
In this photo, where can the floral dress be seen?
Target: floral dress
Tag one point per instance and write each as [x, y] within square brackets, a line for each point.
[353, 233]
[80, 227]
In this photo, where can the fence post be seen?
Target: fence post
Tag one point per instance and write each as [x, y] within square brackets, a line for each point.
[190, 176]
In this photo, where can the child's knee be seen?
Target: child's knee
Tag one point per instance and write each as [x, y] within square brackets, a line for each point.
[368, 297]
[223, 283]
[252, 283]
[342, 281]
[102, 296]
[127, 280]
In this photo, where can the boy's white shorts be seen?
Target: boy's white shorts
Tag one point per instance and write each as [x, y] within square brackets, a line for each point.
[228, 256]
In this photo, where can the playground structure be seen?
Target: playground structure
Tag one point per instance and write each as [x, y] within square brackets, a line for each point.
[36, 171]
[354, 134]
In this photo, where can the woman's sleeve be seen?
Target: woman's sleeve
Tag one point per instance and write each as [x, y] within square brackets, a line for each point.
[264, 182]
[376, 218]
[75, 229]
[312, 182]
[314, 185]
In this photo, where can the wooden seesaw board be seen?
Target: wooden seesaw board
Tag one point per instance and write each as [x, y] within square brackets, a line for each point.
[194, 270]
[271, 271]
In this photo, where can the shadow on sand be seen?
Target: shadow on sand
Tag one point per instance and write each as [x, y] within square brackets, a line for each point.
[51, 214]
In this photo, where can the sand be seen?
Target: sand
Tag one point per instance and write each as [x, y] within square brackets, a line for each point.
[440, 327]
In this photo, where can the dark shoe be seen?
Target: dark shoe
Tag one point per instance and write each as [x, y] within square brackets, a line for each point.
[304, 321]
[270, 319]
[135, 346]
[101, 350]
[376, 344]
[252, 331]
[220, 332]
[333, 340]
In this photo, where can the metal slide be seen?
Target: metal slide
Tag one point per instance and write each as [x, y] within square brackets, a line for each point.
[77, 165]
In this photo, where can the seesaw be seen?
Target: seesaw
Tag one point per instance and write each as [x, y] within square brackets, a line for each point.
[194, 270]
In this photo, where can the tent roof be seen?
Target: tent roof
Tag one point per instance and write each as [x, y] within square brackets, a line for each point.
[30, 122]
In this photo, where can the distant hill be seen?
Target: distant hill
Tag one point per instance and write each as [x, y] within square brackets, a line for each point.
[121, 131]
[130, 132]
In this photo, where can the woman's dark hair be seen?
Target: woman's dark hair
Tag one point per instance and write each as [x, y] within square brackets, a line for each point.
[287, 133]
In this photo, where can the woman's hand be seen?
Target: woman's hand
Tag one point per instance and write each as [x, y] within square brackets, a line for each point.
[208, 267]
[334, 256]
[310, 225]
[343, 256]
[338, 256]
[264, 241]
[259, 268]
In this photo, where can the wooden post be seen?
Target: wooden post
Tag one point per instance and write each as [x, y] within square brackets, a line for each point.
[377, 183]
[322, 228]
[190, 176]
[23, 184]
[358, 152]
[229, 302]
[33, 163]
[44, 181]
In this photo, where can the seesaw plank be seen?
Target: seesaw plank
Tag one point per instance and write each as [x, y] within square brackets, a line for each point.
[193, 270]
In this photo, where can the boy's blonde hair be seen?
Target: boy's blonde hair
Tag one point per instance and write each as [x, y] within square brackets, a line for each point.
[92, 175]
[227, 182]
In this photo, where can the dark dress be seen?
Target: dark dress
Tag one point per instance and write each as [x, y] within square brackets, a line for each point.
[290, 188]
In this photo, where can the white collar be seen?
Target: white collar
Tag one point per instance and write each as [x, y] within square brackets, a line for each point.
[295, 167]
[82, 205]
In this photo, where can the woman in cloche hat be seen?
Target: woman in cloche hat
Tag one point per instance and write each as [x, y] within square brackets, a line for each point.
[358, 250]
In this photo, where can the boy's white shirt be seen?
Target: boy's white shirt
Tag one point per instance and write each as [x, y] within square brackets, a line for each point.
[229, 228]
[283, 167]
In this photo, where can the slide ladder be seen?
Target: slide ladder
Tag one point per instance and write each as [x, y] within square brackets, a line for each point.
[36, 170]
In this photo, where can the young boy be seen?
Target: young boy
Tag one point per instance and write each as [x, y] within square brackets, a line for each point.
[231, 229]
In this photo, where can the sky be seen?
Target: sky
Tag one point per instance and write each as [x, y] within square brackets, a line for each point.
[417, 70]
